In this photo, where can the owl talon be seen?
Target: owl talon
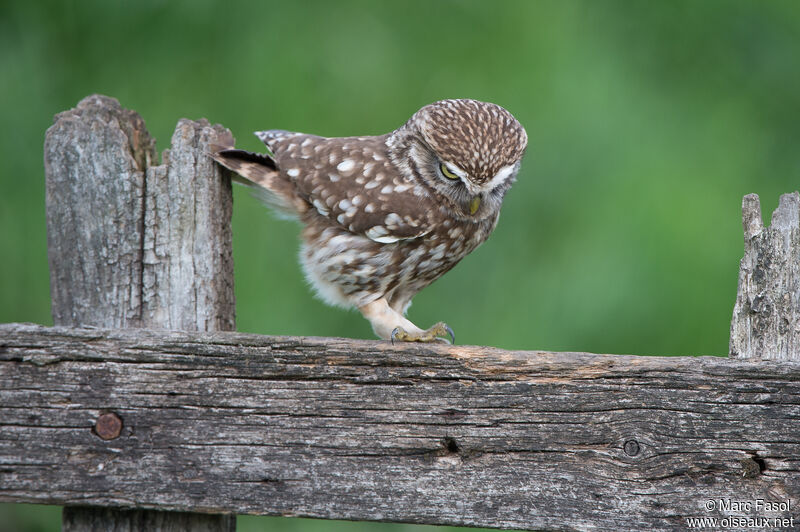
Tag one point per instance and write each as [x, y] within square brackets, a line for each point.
[450, 333]
[395, 333]
[434, 334]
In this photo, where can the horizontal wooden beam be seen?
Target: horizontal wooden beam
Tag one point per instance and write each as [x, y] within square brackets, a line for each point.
[323, 427]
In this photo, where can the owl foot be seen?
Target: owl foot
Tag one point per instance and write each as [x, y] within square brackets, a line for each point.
[434, 334]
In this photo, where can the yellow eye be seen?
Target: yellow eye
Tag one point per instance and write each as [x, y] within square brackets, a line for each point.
[446, 172]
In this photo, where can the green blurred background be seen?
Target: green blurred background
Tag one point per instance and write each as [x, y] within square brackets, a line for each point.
[648, 122]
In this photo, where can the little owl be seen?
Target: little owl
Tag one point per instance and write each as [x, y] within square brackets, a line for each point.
[385, 216]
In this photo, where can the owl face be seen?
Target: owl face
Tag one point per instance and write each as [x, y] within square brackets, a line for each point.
[467, 151]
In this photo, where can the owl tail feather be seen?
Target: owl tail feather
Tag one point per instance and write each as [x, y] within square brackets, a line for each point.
[260, 172]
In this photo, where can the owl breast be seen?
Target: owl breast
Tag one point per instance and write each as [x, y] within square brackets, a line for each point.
[348, 269]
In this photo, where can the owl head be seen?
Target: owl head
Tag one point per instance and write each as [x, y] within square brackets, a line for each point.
[466, 152]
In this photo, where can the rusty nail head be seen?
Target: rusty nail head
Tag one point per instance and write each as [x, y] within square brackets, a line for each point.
[108, 426]
[631, 447]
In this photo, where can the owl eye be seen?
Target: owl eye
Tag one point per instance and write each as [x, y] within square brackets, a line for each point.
[446, 172]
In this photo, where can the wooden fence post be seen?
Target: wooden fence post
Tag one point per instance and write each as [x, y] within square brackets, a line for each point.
[766, 317]
[136, 245]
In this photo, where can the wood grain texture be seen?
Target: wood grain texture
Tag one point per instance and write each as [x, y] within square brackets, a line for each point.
[187, 279]
[95, 158]
[334, 428]
[132, 244]
[766, 317]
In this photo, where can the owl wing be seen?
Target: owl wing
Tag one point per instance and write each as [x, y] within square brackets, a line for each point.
[352, 182]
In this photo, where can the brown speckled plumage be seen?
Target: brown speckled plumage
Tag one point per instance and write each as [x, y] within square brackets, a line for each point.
[381, 217]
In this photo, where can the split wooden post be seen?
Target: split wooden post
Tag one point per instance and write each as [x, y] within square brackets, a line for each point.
[766, 317]
[132, 244]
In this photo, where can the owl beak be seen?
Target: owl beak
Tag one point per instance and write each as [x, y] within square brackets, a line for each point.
[474, 204]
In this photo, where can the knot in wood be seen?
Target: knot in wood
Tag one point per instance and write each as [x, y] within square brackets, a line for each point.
[108, 426]
[631, 447]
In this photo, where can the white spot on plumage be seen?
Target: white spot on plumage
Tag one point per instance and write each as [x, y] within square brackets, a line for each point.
[334, 178]
[379, 233]
[321, 208]
[293, 172]
[414, 256]
[387, 189]
[339, 243]
[387, 239]
[345, 204]
[437, 253]
[369, 208]
[376, 231]
[392, 220]
[346, 166]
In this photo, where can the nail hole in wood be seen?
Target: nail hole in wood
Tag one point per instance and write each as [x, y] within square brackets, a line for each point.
[451, 445]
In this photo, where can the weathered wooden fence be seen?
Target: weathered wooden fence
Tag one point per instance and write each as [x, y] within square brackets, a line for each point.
[132, 424]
